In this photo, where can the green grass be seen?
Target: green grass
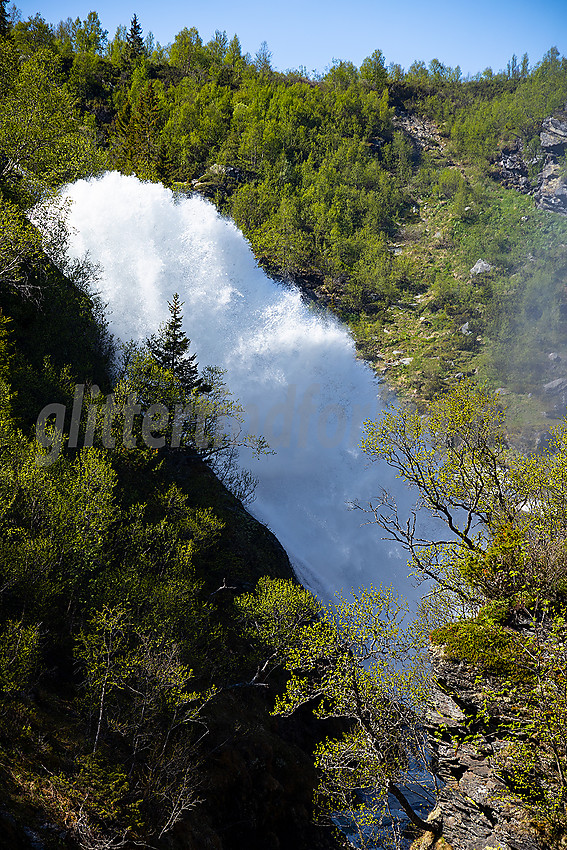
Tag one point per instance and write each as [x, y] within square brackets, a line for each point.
[516, 313]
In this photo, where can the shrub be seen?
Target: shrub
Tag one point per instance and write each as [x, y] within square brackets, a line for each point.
[482, 643]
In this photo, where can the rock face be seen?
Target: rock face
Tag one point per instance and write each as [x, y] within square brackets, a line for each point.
[422, 132]
[258, 785]
[217, 180]
[553, 136]
[551, 190]
[513, 168]
[475, 813]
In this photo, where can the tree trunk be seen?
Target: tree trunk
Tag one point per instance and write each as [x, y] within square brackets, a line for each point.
[425, 826]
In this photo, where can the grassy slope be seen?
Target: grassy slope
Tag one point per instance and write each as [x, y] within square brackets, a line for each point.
[514, 313]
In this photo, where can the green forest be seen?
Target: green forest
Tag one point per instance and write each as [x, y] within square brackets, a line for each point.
[165, 681]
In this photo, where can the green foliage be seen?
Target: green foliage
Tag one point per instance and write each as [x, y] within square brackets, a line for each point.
[134, 51]
[483, 644]
[137, 148]
[133, 679]
[490, 109]
[345, 661]
[454, 456]
[20, 250]
[450, 182]
[100, 792]
[506, 568]
[32, 36]
[19, 657]
[5, 348]
[277, 612]
[535, 769]
[41, 139]
[110, 556]
[373, 72]
[4, 27]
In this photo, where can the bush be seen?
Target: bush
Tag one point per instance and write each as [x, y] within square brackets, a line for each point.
[482, 643]
[449, 182]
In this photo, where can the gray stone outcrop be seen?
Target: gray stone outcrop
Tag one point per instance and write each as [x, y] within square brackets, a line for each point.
[551, 191]
[475, 811]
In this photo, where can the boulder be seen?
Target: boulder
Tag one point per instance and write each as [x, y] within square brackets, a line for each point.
[217, 179]
[481, 267]
[555, 387]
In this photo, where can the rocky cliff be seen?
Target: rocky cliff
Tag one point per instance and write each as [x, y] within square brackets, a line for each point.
[473, 805]
[551, 191]
[550, 187]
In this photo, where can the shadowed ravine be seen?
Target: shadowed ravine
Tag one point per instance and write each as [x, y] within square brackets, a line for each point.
[292, 368]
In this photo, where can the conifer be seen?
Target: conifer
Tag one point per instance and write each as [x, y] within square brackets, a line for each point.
[170, 349]
[134, 37]
[134, 49]
[3, 19]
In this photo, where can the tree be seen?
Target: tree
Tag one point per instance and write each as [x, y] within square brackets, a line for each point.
[33, 35]
[170, 347]
[4, 27]
[263, 59]
[456, 458]
[218, 46]
[234, 51]
[116, 49]
[136, 686]
[500, 576]
[196, 413]
[20, 252]
[88, 35]
[345, 660]
[42, 140]
[373, 71]
[138, 147]
[135, 49]
[187, 53]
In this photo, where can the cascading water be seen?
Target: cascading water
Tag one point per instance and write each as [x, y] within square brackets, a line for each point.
[293, 369]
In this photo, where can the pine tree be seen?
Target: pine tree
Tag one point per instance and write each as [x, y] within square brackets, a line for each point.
[170, 347]
[3, 19]
[134, 44]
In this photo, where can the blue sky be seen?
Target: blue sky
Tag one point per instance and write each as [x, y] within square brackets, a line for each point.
[313, 33]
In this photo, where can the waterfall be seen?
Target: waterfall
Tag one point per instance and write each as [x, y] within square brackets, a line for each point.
[292, 367]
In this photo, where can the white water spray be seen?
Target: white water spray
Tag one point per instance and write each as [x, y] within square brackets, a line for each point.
[293, 369]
